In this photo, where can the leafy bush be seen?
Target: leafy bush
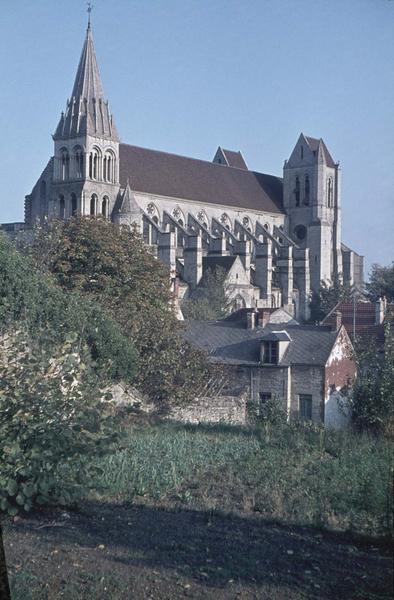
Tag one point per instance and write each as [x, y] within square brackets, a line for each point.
[49, 314]
[372, 397]
[52, 421]
[110, 266]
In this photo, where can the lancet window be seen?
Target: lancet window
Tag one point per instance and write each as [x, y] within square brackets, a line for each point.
[64, 164]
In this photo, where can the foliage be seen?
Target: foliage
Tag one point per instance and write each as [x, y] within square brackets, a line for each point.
[372, 399]
[304, 475]
[111, 266]
[52, 422]
[209, 301]
[381, 282]
[49, 314]
[327, 296]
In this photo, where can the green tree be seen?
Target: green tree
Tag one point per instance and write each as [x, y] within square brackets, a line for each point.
[57, 351]
[49, 314]
[381, 282]
[210, 300]
[372, 398]
[110, 266]
[327, 296]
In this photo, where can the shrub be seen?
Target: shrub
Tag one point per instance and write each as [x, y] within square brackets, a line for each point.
[52, 421]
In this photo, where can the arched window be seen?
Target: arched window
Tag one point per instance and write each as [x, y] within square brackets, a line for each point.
[74, 205]
[226, 221]
[64, 164]
[62, 207]
[104, 206]
[330, 203]
[95, 164]
[93, 204]
[109, 167]
[155, 219]
[78, 162]
[297, 191]
[307, 191]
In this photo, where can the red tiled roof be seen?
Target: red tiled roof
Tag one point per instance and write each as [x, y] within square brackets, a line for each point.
[164, 174]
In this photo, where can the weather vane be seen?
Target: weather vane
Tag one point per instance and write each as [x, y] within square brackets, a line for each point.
[90, 8]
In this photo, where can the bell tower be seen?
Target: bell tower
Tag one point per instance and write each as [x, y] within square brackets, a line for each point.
[85, 178]
[312, 201]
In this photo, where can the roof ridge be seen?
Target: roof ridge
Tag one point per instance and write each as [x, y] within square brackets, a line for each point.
[207, 162]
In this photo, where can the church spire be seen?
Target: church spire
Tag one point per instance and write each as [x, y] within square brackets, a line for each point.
[87, 111]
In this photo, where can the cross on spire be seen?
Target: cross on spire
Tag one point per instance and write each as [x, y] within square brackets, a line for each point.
[90, 8]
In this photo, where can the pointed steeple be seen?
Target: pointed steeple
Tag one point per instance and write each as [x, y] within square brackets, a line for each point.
[87, 111]
[128, 204]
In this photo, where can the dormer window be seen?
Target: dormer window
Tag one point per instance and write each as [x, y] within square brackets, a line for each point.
[270, 353]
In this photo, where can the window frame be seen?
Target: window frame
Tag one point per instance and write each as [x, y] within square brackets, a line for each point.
[270, 352]
[305, 414]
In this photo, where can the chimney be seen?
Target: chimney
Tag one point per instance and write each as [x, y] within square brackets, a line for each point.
[380, 310]
[250, 320]
[264, 317]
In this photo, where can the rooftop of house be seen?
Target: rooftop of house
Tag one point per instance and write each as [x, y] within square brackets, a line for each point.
[229, 341]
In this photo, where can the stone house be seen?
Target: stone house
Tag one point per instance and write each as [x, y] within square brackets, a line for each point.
[307, 368]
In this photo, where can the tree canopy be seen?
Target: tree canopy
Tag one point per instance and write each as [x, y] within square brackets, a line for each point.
[327, 296]
[210, 300]
[110, 266]
[381, 282]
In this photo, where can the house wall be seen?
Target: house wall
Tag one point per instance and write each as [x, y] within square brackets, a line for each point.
[339, 372]
[307, 380]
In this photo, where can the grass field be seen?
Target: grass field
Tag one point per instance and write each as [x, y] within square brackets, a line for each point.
[291, 474]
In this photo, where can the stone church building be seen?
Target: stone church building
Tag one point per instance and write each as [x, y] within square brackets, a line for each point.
[276, 238]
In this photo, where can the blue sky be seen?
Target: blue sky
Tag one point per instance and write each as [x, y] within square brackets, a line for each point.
[186, 76]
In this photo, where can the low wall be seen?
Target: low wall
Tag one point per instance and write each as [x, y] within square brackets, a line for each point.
[226, 409]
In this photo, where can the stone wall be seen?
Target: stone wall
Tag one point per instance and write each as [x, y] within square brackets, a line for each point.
[307, 380]
[222, 409]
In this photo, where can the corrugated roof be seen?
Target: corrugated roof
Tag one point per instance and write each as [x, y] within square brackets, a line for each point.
[164, 174]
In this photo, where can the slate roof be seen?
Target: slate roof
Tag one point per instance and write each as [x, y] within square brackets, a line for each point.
[164, 174]
[235, 159]
[314, 146]
[87, 110]
[227, 342]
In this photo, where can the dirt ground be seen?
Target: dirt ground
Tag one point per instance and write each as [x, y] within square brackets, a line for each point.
[138, 552]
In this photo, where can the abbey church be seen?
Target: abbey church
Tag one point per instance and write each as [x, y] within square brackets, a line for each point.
[276, 238]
